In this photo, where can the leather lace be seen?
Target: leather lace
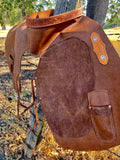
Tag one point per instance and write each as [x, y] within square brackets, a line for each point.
[32, 104]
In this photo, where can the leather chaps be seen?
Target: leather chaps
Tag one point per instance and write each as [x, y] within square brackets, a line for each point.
[77, 78]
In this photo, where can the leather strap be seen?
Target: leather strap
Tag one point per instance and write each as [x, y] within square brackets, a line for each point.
[48, 19]
[99, 48]
[26, 108]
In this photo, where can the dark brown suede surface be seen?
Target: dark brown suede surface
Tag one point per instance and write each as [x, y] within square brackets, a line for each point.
[64, 89]
[79, 95]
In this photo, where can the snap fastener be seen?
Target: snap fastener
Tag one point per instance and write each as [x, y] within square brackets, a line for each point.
[102, 57]
[95, 39]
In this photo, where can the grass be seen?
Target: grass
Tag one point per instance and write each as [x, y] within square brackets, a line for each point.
[115, 39]
[3, 33]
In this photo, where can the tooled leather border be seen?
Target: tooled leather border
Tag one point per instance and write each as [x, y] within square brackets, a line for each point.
[52, 20]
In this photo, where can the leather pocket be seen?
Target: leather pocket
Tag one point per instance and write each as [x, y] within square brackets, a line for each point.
[101, 115]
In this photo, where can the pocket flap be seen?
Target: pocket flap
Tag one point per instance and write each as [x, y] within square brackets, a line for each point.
[98, 98]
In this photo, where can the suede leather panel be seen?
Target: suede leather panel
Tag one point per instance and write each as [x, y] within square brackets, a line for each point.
[64, 77]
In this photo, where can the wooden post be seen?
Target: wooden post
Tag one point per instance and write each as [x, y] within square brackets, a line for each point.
[91, 8]
[34, 137]
[97, 9]
[100, 11]
[67, 5]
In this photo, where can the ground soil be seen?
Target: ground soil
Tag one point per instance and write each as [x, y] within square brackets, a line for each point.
[13, 130]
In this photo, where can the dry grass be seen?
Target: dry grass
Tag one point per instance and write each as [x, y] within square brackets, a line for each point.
[3, 33]
[115, 39]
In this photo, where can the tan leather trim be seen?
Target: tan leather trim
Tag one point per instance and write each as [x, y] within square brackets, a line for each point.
[47, 18]
[99, 48]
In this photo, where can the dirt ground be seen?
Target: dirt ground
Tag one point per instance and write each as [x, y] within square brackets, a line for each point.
[13, 130]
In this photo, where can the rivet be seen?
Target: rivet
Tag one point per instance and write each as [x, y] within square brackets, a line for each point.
[95, 39]
[90, 107]
[110, 106]
[102, 57]
[40, 98]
